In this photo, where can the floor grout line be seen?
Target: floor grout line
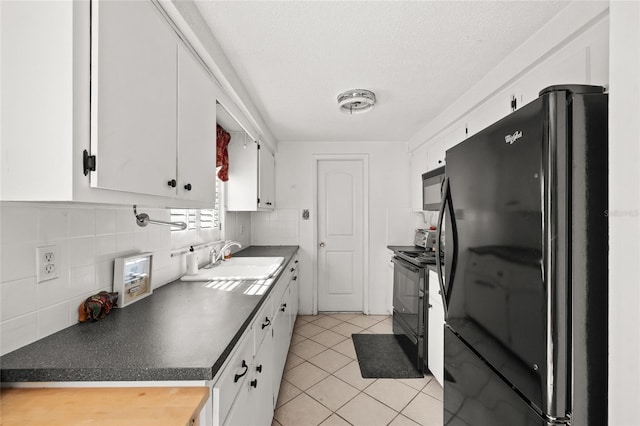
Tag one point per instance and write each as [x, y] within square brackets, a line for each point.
[307, 359]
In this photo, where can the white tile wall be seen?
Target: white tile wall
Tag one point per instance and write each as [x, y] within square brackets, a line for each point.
[279, 227]
[238, 227]
[89, 238]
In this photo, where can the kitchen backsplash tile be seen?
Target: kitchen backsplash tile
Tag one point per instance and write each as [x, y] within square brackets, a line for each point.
[106, 247]
[125, 242]
[82, 280]
[53, 291]
[106, 221]
[18, 224]
[104, 274]
[82, 251]
[52, 319]
[88, 238]
[53, 223]
[126, 220]
[18, 261]
[18, 332]
[82, 222]
[17, 298]
[279, 227]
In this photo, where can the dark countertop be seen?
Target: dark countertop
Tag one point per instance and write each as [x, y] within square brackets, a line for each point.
[183, 331]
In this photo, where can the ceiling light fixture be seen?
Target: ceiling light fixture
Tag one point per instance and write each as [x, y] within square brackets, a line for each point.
[356, 101]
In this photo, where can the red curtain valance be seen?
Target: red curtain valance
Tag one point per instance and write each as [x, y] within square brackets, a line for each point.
[222, 155]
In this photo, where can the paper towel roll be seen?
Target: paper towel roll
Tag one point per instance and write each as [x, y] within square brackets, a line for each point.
[192, 263]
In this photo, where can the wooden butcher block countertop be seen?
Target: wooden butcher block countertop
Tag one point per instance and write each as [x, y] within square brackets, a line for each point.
[157, 406]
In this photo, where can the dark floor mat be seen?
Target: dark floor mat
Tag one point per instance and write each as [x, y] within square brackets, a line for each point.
[381, 357]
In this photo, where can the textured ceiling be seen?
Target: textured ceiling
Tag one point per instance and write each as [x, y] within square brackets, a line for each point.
[295, 57]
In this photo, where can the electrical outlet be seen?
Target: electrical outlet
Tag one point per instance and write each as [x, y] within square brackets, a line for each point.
[46, 263]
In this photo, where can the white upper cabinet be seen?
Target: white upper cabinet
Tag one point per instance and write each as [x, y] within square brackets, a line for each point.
[133, 98]
[196, 175]
[153, 107]
[418, 167]
[267, 172]
[251, 185]
[111, 81]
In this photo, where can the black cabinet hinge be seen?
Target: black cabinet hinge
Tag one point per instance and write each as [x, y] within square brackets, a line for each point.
[88, 162]
[258, 146]
[514, 103]
[258, 200]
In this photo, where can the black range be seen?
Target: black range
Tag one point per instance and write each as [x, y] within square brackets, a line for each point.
[410, 292]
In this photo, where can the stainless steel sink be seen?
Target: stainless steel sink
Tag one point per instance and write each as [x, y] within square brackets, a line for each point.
[238, 268]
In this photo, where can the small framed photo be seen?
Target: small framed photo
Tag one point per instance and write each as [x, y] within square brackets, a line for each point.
[132, 278]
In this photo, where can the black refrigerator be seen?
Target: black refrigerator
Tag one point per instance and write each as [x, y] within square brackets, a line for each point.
[524, 274]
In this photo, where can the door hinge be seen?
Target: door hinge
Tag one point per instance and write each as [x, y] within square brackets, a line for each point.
[258, 200]
[514, 103]
[258, 145]
[88, 162]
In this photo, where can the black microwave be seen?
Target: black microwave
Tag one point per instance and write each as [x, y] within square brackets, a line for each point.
[432, 189]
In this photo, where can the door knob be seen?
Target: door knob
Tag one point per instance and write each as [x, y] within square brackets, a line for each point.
[322, 244]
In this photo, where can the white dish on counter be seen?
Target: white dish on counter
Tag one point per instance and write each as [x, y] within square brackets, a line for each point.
[238, 268]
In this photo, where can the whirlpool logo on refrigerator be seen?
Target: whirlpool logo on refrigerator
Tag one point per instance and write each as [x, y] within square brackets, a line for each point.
[510, 139]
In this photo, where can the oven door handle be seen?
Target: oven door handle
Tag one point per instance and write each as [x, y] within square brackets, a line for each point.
[405, 265]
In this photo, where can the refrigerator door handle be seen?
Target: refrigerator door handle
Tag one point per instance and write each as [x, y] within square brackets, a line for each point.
[446, 201]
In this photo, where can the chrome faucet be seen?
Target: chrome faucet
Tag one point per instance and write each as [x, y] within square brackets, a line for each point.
[215, 256]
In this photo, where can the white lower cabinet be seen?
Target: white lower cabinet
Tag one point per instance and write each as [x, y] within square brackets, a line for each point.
[281, 339]
[246, 391]
[254, 403]
[232, 380]
[435, 351]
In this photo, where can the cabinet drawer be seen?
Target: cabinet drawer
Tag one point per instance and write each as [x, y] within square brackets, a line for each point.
[232, 378]
[290, 272]
[262, 324]
[278, 294]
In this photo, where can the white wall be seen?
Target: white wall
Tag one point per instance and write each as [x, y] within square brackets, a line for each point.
[390, 219]
[277, 228]
[88, 239]
[572, 48]
[237, 227]
[624, 217]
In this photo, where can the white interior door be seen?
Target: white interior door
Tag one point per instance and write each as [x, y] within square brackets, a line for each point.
[340, 235]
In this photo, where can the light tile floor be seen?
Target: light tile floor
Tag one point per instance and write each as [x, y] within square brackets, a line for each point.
[322, 384]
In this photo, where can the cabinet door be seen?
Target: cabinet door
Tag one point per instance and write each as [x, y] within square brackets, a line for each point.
[263, 400]
[233, 380]
[254, 404]
[435, 154]
[293, 295]
[242, 188]
[292, 304]
[418, 167]
[281, 339]
[267, 171]
[133, 98]
[196, 131]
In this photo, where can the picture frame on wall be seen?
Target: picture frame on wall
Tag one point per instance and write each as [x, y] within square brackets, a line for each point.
[132, 278]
